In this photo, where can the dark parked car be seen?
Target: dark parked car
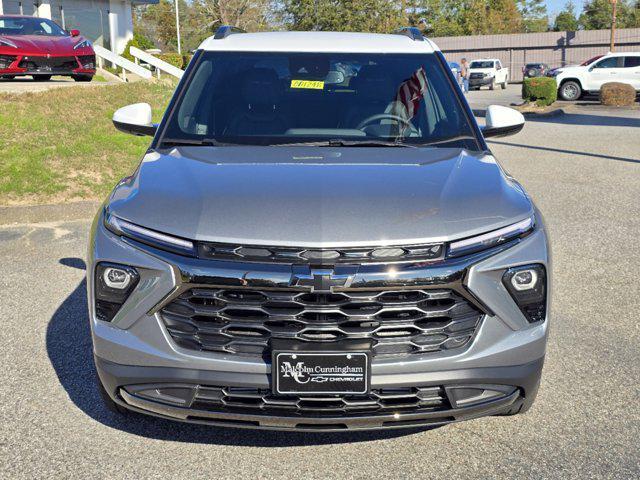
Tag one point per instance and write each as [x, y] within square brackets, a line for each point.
[531, 70]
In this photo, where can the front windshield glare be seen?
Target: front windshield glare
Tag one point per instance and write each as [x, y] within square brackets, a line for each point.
[30, 26]
[279, 98]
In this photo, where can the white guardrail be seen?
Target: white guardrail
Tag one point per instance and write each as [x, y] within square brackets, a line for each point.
[122, 62]
[160, 65]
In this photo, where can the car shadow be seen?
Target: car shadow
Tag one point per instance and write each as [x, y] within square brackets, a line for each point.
[68, 343]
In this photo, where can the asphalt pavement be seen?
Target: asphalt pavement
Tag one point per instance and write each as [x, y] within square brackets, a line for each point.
[583, 171]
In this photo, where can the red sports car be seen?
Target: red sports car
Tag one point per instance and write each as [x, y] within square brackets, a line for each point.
[40, 48]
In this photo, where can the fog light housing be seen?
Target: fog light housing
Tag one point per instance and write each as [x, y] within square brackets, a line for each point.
[527, 285]
[113, 285]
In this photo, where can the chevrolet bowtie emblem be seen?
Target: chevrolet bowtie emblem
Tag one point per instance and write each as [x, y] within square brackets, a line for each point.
[321, 280]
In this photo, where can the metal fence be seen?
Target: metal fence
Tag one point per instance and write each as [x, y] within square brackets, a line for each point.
[553, 48]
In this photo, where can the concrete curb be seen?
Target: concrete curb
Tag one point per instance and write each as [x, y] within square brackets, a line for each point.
[48, 213]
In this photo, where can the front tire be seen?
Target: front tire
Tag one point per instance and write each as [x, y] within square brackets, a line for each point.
[570, 91]
[8, 77]
[42, 78]
[504, 84]
[82, 78]
[492, 85]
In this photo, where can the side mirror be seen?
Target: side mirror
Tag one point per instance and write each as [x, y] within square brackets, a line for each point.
[135, 119]
[502, 121]
[75, 33]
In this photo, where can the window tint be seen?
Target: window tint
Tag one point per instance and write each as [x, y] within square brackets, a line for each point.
[630, 62]
[482, 64]
[611, 62]
[265, 98]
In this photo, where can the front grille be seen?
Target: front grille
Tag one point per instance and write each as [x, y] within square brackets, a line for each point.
[48, 65]
[476, 75]
[253, 400]
[6, 61]
[397, 322]
[330, 256]
[263, 401]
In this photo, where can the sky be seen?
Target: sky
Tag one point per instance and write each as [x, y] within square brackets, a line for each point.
[555, 6]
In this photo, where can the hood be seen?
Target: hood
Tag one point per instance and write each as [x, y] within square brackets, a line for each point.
[43, 44]
[319, 197]
[482, 70]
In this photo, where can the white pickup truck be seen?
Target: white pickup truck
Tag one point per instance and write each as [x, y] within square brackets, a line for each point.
[488, 71]
[622, 67]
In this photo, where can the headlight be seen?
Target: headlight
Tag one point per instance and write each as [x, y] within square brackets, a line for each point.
[113, 285]
[82, 44]
[491, 239]
[148, 236]
[528, 288]
[7, 43]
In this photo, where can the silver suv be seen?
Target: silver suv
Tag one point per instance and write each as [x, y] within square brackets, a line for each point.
[318, 238]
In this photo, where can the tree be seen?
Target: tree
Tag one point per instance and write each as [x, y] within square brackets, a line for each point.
[597, 15]
[534, 15]
[566, 20]
[342, 15]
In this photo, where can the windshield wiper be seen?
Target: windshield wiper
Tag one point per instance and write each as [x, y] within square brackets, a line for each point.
[338, 142]
[189, 142]
[447, 140]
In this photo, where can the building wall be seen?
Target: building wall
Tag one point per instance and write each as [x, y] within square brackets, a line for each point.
[554, 48]
[105, 22]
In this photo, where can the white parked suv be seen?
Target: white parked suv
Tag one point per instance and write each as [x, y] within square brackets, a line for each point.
[621, 67]
[488, 71]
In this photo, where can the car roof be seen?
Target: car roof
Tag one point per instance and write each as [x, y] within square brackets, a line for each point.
[620, 54]
[347, 42]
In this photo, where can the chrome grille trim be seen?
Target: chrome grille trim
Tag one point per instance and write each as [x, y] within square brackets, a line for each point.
[321, 256]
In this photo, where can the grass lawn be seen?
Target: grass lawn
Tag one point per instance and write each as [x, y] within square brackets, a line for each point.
[60, 145]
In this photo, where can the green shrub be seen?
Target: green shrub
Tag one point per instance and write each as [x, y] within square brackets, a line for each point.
[617, 94]
[542, 90]
[173, 58]
[138, 41]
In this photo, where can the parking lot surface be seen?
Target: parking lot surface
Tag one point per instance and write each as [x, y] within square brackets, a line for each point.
[583, 171]
[28, 85]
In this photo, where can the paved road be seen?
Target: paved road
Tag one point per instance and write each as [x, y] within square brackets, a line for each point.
[28, 85]
[583, 170]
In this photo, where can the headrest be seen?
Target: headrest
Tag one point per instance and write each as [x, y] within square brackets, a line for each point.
[373, 82]
[261, 87]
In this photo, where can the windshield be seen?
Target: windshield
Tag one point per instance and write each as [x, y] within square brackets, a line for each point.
[591, 60]
[30, 26]
[260, 98]
[482, 64]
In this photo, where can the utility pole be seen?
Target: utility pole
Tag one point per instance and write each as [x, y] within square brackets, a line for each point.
[178, 27]
[613, 25]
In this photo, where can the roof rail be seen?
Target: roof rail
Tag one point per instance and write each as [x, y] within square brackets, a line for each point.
[225, 30]
[413, 33]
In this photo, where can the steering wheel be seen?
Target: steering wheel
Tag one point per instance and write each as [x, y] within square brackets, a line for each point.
[386, 116]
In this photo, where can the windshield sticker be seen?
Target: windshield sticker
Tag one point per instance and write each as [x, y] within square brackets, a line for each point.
[309, 84]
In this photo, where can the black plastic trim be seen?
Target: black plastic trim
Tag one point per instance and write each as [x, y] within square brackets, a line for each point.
[525, 378]
[226, 30]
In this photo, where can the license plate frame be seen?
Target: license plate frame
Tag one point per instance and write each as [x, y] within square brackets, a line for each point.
[351, 370]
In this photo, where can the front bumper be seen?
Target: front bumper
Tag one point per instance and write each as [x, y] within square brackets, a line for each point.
[527, 377]
[136, 348]
[478, 82]
[79, 64]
